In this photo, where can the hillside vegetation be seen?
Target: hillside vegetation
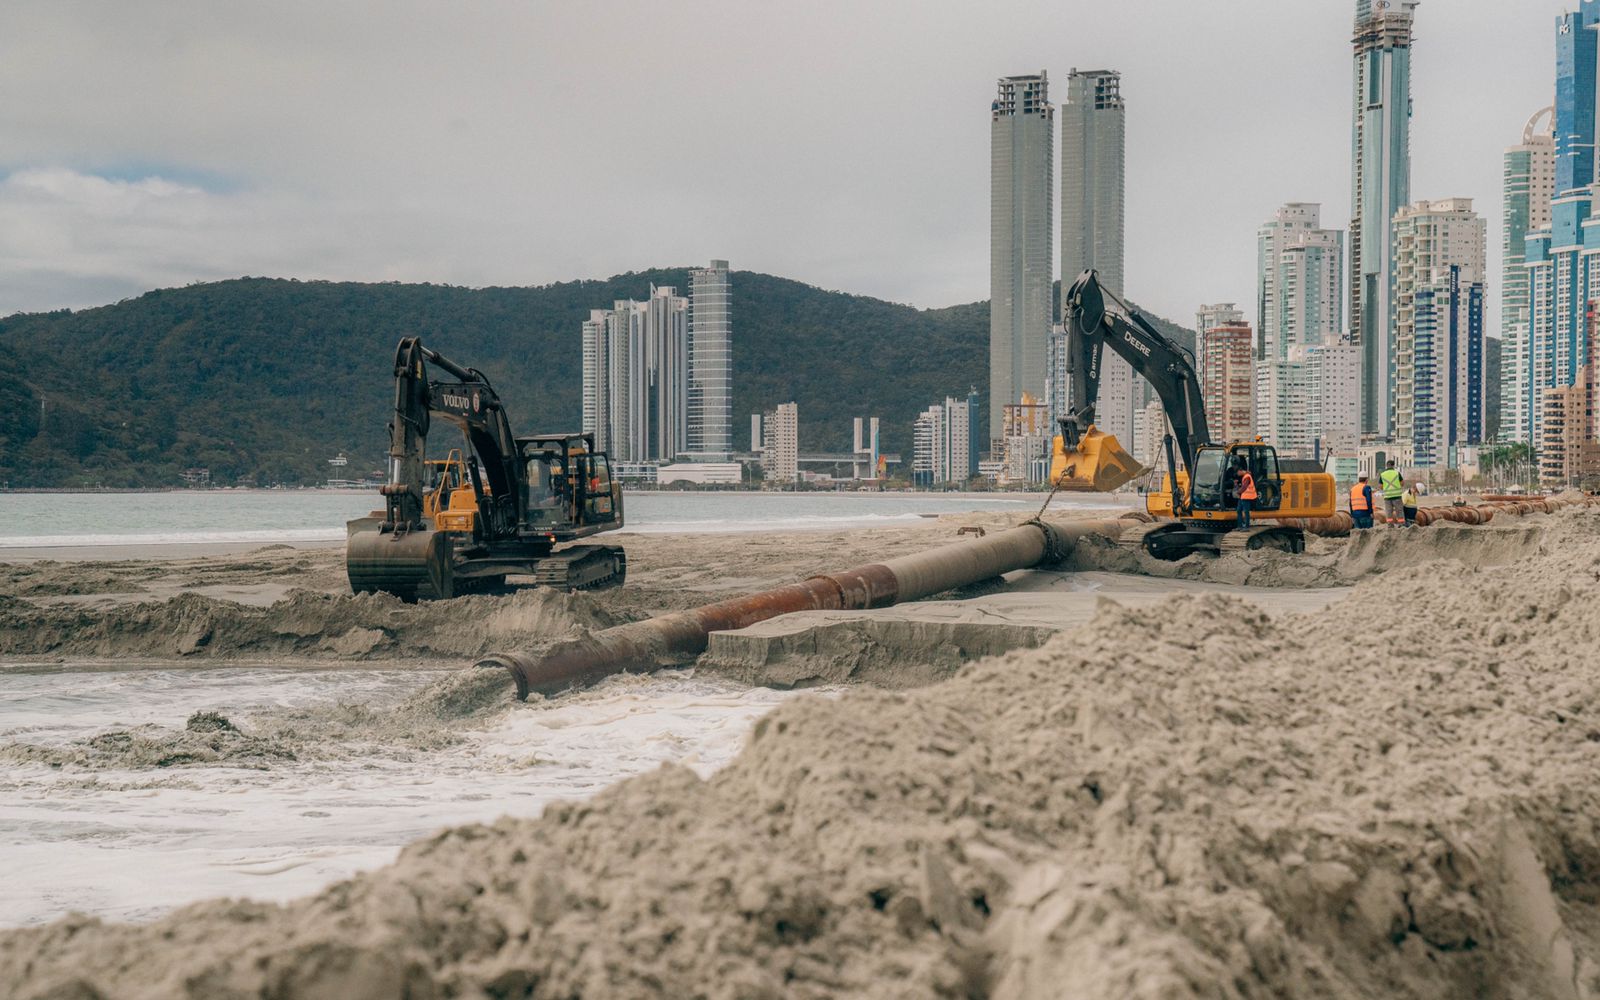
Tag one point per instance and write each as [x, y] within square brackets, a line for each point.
[262, 380]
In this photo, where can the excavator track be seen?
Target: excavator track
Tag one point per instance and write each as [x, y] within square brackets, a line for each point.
[583, 567]
[1266, 536]
[1136, 537]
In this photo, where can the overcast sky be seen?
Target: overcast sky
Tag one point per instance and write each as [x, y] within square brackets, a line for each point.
[845, 144]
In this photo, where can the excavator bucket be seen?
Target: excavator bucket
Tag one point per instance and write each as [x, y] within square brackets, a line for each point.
[1097, 465]
[413, 565]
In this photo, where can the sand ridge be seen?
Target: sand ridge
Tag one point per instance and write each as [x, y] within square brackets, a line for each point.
[1391, 797]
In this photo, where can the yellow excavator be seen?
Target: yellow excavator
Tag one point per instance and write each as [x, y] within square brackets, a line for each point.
[1195, 507]
[499, 506]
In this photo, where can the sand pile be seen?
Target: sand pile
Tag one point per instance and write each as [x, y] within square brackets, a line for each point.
[1332, 562]
[1395, 797]
[307, 624]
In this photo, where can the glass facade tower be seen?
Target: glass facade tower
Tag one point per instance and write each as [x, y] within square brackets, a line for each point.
[1380, 152]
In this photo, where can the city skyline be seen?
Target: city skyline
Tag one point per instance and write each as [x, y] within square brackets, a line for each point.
[228, 187]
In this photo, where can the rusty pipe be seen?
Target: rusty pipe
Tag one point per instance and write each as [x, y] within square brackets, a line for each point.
[680, 636]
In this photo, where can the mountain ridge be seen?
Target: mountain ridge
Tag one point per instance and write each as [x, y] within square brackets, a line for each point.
[261, 380]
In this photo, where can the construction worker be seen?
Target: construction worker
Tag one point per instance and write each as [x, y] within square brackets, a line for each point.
[1245, 489]
[1361, 502]
[1393, 486]
[1408, 500]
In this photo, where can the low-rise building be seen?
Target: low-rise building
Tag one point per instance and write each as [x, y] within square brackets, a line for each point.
[701, 473]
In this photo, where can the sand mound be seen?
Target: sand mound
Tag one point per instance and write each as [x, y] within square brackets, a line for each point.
[1395, 797]
[308, 624]
[1336, 562]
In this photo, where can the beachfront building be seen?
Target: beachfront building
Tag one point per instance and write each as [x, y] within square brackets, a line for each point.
[1021, 168]
[1439, 261]
[1529, 185]
[1093, 218]
[635, 377]
[1227, 380]
[780, 444]
[710, 373]
[942, 443]
[1380, 171]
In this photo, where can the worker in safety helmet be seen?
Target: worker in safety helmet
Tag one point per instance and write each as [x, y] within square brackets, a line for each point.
[1393, 486]
[1361, 502]
[1244, 485]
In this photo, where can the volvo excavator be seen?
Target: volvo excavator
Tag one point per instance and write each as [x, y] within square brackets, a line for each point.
[1195, 506]
[499, 506]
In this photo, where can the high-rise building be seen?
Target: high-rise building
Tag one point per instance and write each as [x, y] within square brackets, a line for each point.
[635, 377]
[710, 372]
[1310, 288]
[1056, 381]
[1027, 434]
[1021, 168]
[596, 380]
[1150, 430]
[1380, 157]
[1271, 238]
[1208, 317]
[1299, 272]
[1299, 295]
[1227, 380]
[942, 439]
[1315, 410]
[1561, 258]
[1443, 390]
[1439, 263]
[780, 444]
[1333, 384]
[1093, 171]
[1571, 452]
[1529, 181]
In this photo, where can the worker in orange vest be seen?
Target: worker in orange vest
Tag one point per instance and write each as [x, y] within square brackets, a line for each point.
[1245, 487]
[1361, 503]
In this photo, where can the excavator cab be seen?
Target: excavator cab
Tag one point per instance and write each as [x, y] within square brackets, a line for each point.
[1214, 479]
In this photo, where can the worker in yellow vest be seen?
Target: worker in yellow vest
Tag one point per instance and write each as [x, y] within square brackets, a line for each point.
[1394, 487]
[1361, 502]
[1408, 500]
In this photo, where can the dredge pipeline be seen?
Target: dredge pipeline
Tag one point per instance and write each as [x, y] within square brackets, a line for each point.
[1341, 523]
[679, 637]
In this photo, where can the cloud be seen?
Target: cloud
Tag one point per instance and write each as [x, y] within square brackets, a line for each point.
[840, 143]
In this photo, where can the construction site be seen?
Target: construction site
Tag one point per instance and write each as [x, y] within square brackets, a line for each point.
[1001, 757]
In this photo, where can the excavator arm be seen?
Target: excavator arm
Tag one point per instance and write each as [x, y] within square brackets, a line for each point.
[1085, 458]
[471, 404]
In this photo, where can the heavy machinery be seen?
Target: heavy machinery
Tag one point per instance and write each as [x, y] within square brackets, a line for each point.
[1195, 506]
[499, 506]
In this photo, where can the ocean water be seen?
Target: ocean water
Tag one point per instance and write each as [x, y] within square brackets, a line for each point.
[267, 516]
[133, 844]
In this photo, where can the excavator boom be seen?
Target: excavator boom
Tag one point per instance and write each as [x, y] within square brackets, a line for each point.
[1086, 459]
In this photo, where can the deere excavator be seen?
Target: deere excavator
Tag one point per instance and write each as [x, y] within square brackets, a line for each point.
[500, 506]
[1195, 507]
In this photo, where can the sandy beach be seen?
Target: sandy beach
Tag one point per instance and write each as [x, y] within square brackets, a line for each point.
[1363, 771]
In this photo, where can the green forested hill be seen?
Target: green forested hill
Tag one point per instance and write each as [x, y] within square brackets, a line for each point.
[262, 380]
